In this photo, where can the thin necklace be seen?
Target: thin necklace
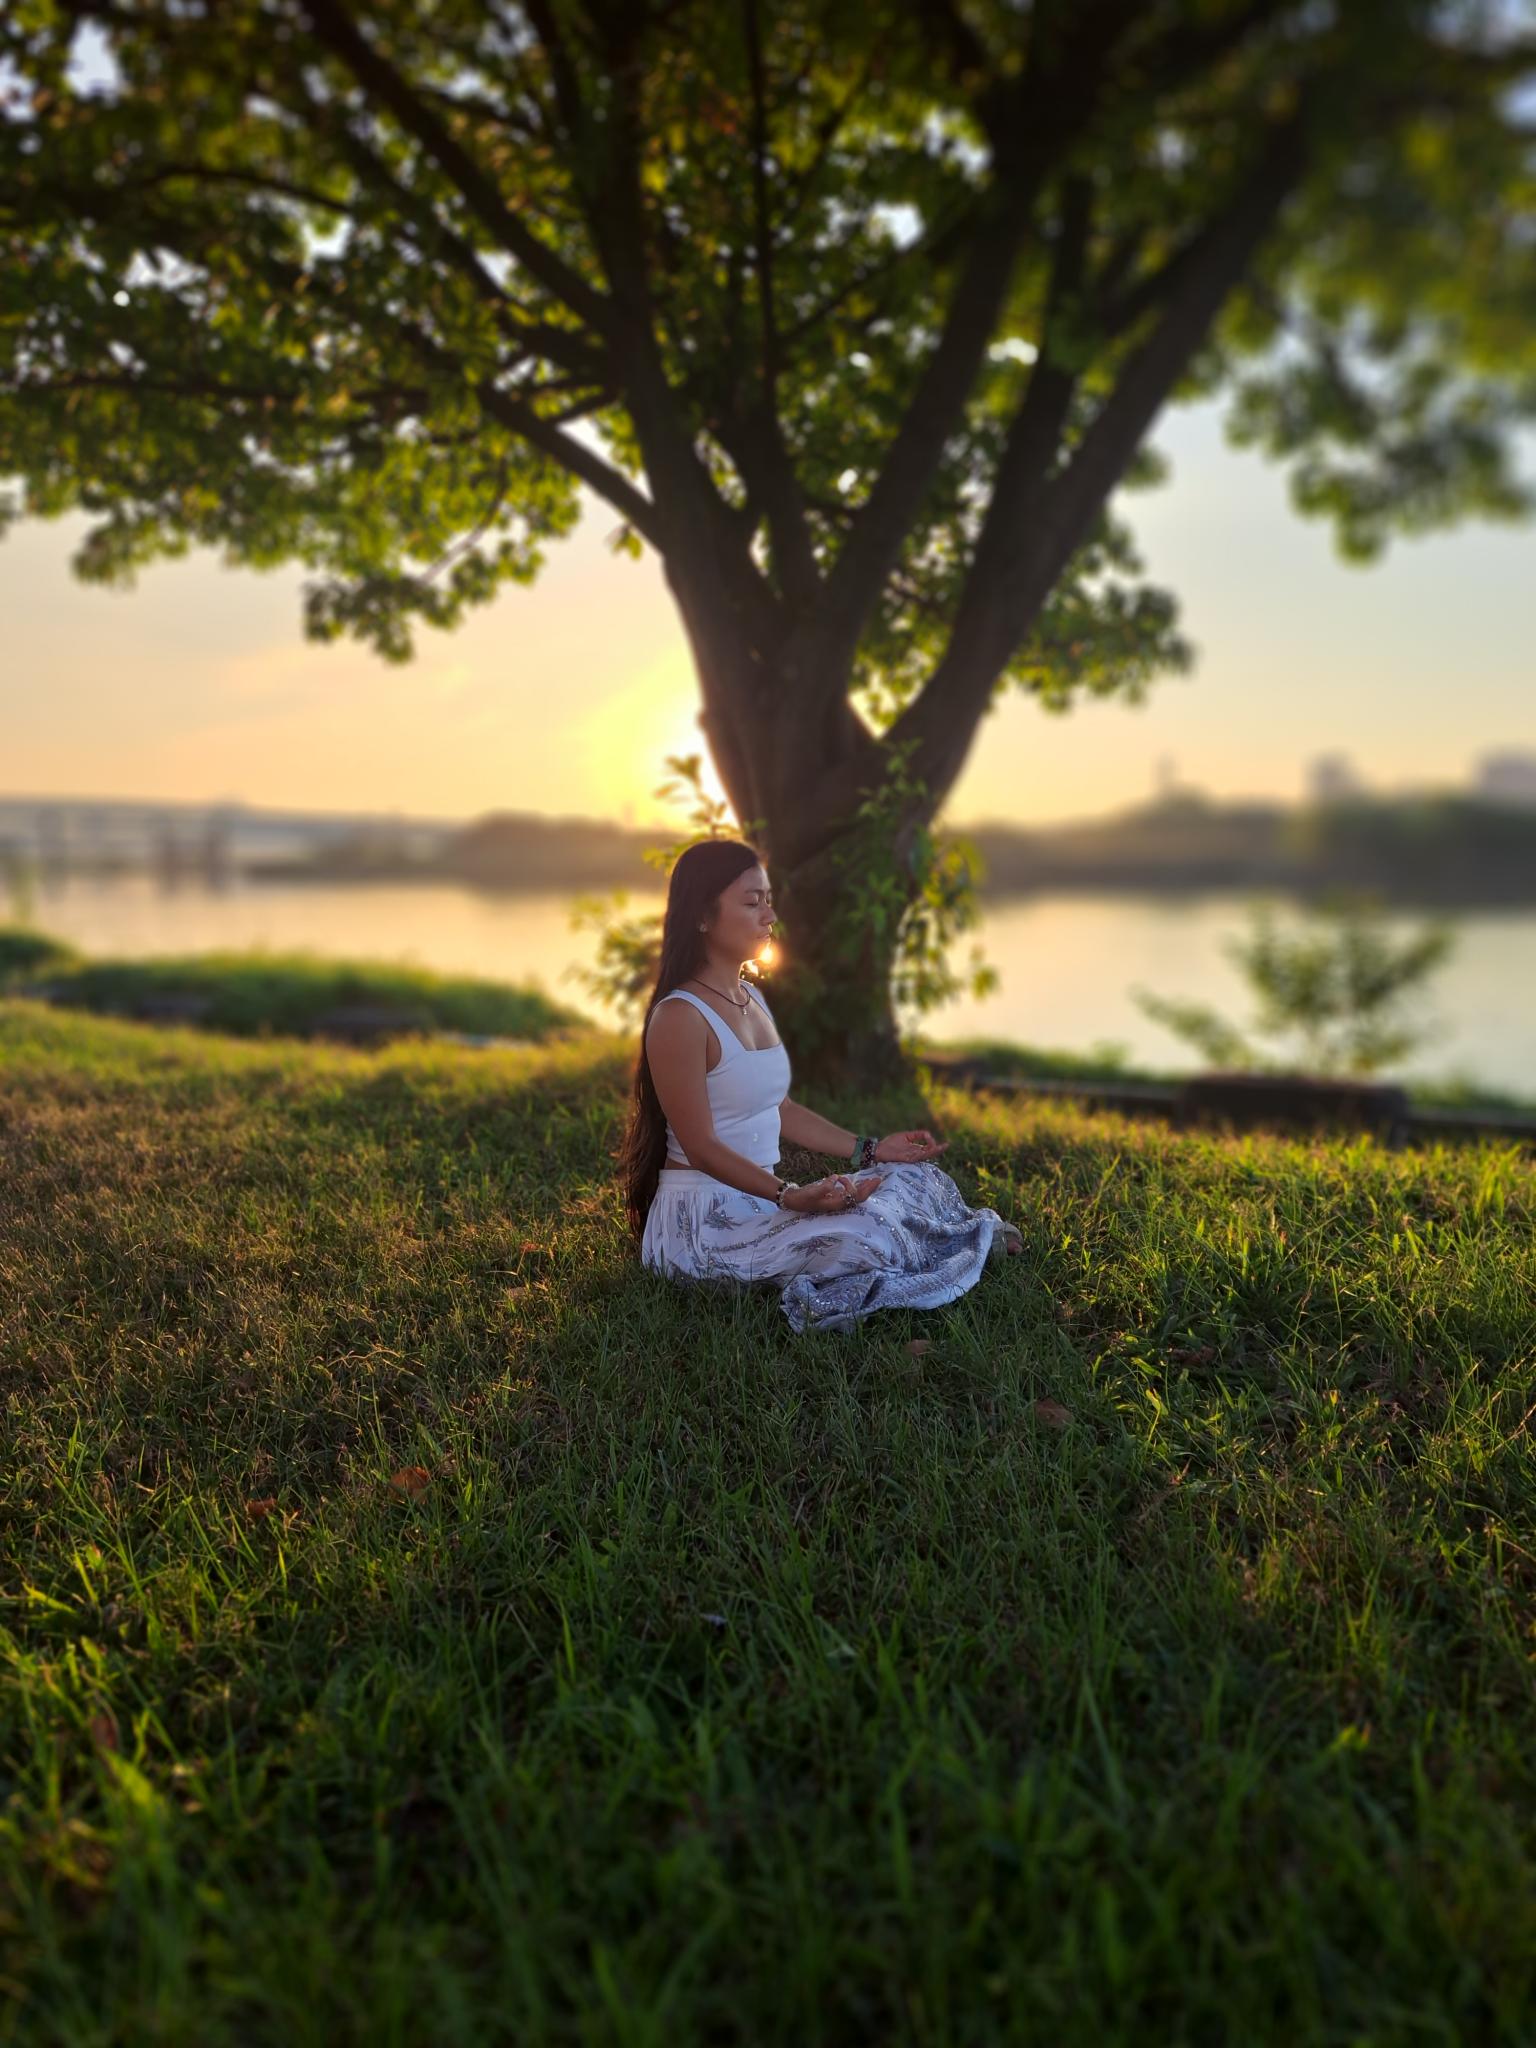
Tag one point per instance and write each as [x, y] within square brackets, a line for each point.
[720, 992]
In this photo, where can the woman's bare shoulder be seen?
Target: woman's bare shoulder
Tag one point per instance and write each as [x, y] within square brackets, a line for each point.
[675, 1024]
[677, 1043]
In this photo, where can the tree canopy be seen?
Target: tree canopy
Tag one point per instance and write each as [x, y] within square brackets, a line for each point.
[855, 314]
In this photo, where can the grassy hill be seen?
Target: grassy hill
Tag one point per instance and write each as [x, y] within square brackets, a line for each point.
[422, 1625]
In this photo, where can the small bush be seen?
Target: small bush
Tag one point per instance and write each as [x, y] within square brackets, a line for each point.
[25, 953]
[1335, 993]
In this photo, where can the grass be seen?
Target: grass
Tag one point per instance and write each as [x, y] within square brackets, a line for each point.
[1003, 1056]
[1112, 1063]
[421, 1625]
[260, 992]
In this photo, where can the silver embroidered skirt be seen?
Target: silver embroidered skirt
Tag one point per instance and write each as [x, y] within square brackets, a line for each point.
[913, 1243]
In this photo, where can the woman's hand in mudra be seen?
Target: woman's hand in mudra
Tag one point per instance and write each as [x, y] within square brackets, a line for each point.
[904, 1147]
[829, 1197]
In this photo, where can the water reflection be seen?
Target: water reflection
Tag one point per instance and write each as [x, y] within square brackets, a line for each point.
[1068, 963]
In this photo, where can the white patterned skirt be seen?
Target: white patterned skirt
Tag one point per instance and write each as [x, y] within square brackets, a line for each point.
[912, 1244]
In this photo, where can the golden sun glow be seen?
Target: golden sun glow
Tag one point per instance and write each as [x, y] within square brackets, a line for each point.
[624, 745]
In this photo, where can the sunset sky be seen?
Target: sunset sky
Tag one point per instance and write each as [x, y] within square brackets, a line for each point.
[565, 698]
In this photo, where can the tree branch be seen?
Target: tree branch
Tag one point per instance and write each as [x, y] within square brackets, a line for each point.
[762, 216]
[482, 526]
[383, 81]
[709, 563]
[1029, 450]
[504, 117]
[967, 54]
[932, 414]
[1034, 526]
[972, 68]
[756, 446]
[212, 174]
[562, 70]
[832, 125]
[938, 242]
[1194, 45]
[565, 346]
[756, 442]
[599, 476]
[510, 409]
[1034, 125]
[1121, 310]
[401, 396]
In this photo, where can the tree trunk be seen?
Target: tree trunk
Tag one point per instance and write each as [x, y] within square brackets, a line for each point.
[831, 981]
[797, 762]
[841, 887]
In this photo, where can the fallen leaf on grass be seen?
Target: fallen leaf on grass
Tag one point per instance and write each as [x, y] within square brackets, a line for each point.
[1052, 1414]
[258, 1510]
[411, 1479]
[104, 1732]
[1191, 1354]
[919, 1347]
[1166, 1493]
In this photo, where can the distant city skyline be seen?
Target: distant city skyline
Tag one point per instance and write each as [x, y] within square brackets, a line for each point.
[564, 699]
[1503, 775]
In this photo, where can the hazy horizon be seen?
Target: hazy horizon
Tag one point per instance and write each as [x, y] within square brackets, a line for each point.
[662, 821]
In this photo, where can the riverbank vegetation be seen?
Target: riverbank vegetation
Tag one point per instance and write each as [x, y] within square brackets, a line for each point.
[1442, 850]
[422, 1623]
[260, 992]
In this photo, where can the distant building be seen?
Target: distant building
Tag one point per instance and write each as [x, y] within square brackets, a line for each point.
[1171, 792]
[1331, 779]
[1506, 778]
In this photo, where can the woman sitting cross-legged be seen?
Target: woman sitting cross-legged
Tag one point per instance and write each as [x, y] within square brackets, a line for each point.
[711, 1102]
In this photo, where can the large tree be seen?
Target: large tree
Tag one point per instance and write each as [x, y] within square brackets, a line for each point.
[856, 314]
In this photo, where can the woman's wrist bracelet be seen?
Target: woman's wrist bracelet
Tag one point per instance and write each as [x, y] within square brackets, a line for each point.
[784, 1188]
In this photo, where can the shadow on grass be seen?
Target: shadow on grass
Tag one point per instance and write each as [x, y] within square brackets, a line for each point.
[427, 1623]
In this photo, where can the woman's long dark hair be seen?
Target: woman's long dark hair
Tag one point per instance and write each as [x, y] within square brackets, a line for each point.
[693, 895]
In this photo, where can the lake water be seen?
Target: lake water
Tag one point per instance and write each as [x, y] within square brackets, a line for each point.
[1068, 963]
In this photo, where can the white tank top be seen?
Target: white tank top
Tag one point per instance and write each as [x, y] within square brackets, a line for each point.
[745, 1089]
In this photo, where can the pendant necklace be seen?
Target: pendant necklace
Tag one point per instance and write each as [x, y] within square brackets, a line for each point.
[720, 992]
